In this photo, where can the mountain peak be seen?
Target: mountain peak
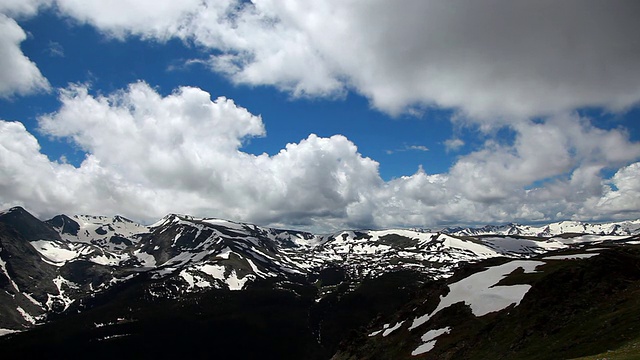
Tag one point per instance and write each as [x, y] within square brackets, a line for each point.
[64, 224]
[26, 224]
[119, 218]
[14, 210]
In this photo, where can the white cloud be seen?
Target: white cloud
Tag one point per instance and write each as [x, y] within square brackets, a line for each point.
[488, 59]
[55, 49]
[27, 176]
[453, 144]
[408, 148]
[623, 199]
[498, 65]
[546, 149]
[22, 8]
[148, 18]
[150, 154]
[18, 74]
[418, 148]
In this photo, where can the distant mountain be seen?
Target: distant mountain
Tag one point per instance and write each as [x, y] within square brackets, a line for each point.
[118, 275]
[621, 228]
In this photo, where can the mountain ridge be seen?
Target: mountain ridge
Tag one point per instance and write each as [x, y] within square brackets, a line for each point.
[80, 262]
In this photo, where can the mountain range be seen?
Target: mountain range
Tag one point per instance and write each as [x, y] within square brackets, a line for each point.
[104, 284]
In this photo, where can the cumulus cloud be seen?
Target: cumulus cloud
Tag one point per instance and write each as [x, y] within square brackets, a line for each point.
[561, 145]
[18, 74]
[148, 155]
[486, 58]
[148, 18]
[622, 195]
[498, 65]
[22, 8]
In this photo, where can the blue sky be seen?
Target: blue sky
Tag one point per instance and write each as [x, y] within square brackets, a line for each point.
[423, 115]
[59, 46]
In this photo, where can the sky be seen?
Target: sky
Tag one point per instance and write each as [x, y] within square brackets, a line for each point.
[322, 115]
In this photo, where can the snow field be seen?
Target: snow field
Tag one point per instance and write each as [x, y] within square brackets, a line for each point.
[478, 291]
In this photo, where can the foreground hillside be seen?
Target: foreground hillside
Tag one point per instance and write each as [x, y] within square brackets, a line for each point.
[203, 287]
[573, 306]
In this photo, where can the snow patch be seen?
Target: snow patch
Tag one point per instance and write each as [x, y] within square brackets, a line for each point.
[188, 278]
[4, 332]
[392, 329]
[108, 337]
[232, 280]
[215, 271]
[60, 282]
[33, 301]
[26, 316]
[570, 257]
[429, 340]
[147, 260]
[236, 283]
[54, 252]
[478, 291]
[3, 267]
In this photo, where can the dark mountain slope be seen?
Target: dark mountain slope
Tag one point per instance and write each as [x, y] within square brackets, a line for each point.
[25, 280]
[250, 324]
[574, 308]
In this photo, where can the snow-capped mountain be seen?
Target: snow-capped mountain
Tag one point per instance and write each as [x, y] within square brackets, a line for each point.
[66, 261]
[621, 228]
[78, 264]
[110, 233]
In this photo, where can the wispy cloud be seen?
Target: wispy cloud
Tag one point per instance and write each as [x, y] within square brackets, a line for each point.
[408, 148]
[453, 144]
[181, 64]
[55, 49]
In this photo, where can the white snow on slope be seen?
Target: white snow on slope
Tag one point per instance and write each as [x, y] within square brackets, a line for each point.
[224, 253]
[232, 280]
[3, 268]
[60, 283]
[594, 239]
[621, 228]
[225, 223]
[429, 340]
[478, 291]
[26, 316]
[570, 257]
[59, 253]
[481, 251]
[510, 245]
[147, 260]
[54, 252]
[98, 230]
[7, 331]
[392, 329]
